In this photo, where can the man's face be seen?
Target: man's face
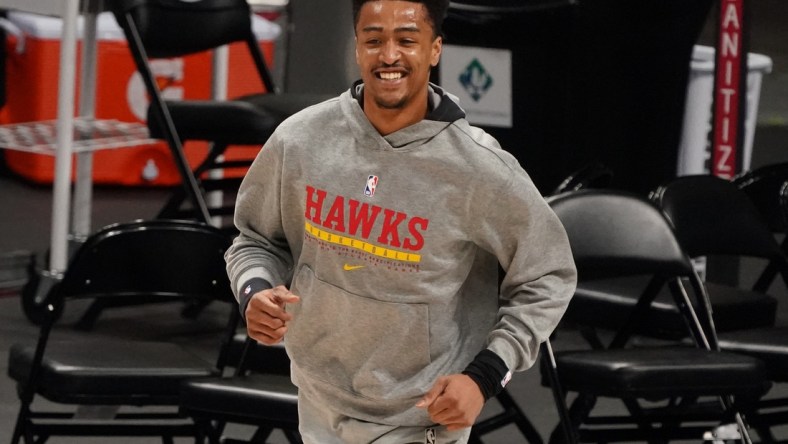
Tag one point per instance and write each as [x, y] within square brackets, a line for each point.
[395, 49]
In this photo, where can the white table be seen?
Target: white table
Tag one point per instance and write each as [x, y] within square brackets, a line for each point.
[71, 134]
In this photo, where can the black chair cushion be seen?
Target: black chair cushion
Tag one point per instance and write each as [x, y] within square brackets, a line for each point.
[284, 105]
[248, 120]
[659, 373]
[229, 122]
[110, 372]
[254, 399]
[768, 344]
[733, 308]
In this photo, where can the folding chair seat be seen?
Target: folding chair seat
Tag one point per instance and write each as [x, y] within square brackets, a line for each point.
[171, 28]
[712, 216]
[109, 373]
[259, 394]
[668, 390]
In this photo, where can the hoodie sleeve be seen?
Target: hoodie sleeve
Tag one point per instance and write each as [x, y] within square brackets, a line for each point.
[261, 250]
[520, 228]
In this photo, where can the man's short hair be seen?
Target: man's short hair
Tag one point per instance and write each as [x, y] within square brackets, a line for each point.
[436, 12]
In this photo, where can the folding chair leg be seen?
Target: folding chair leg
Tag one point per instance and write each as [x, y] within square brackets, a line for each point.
[637, 415]
[577, 414]
[765, 279]
[293, 437]
[261, 435]
[559, 397]
[523, 424]
[22, 426]
[745, 433]
[91, 315]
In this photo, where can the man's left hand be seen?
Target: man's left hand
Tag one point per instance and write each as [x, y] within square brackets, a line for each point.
[454, 401]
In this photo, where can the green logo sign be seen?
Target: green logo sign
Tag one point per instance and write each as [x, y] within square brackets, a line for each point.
[476, 80]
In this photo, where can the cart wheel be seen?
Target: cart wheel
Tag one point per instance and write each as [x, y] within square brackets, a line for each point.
[34, 294]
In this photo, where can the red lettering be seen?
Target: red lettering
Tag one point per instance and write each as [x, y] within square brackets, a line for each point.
[730, 18]
[389, 234]
[336, 215]
[416, 226]
[727, 95]
[362, 216]
[314, 207]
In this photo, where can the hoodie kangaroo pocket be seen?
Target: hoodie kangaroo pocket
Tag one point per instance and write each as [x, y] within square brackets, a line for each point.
[362, 345]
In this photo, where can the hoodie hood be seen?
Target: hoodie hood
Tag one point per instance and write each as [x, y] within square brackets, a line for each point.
[444, 112]
[444, 107]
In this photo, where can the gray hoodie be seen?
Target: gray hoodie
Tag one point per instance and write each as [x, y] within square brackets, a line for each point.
[392, 243]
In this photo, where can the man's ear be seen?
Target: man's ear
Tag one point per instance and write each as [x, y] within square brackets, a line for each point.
[437, 49]
[355, 41]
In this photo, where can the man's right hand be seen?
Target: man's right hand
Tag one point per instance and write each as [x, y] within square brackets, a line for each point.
[266, 314]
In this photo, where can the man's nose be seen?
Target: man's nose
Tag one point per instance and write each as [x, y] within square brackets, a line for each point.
[390, 53]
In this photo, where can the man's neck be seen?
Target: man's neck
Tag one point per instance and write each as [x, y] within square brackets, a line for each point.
[387, 121]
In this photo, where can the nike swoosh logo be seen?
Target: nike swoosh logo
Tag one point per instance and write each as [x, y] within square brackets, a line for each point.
[348, 267]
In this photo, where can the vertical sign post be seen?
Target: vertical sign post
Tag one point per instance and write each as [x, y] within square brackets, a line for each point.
[730, 90]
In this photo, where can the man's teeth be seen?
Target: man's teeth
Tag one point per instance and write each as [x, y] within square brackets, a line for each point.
[390, 75]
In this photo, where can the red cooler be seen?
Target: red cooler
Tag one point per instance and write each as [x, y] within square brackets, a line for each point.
[32, 78]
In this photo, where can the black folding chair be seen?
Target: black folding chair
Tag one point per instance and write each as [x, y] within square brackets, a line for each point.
[259, 394]
[713, 217]
[158, 29]
[174, 28]
[661, 385]
[129, 386]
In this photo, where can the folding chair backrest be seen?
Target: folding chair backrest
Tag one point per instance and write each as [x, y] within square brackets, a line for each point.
[711, 216]
[172, 28]
[159, 258]
[615, 234]
[763, 186]
[593, 175]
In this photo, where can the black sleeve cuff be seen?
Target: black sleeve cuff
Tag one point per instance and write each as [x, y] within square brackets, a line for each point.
[249, 288]
[490, 373]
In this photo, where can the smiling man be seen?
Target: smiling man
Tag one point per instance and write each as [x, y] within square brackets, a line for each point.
[371, 229]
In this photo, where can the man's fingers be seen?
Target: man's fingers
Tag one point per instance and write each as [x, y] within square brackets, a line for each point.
[454, 401]
[266, 336]
[267, 316]
[272, 303]
[430, 397]
[283, 296]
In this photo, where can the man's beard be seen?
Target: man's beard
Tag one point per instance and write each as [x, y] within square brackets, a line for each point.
[397, 104]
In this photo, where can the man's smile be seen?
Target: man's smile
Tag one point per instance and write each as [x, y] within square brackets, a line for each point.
[390, 75]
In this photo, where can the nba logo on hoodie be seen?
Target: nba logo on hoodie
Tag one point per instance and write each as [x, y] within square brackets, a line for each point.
[372, 183]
